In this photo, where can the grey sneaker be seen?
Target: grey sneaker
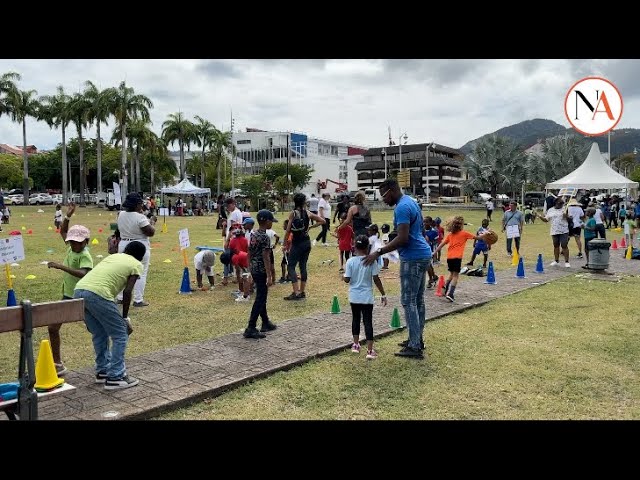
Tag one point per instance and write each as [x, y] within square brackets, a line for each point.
[60, 369]
[120, 383]
[141, 304]
[101, 377]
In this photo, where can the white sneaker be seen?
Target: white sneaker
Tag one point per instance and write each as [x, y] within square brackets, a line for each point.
[242, 298]
[313, 244]
[553, 264]
[567, 265]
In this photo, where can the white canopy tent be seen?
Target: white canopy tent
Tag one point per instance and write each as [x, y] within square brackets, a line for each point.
[594, 173]
[185, 187]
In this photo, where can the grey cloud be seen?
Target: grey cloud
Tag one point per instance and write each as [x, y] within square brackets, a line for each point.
[442, 72]
[218, 69]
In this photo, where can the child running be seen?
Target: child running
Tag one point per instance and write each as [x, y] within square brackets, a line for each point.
[360, 279]
[480, 246]
[456, 239]
[76, 264]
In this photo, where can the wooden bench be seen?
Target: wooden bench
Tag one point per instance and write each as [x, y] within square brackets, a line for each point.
[25, 318]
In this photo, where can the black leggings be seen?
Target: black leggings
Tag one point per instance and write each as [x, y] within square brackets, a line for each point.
[366, 311]
[259, 308]
[299, 253]
[323, 233]
[344, 256]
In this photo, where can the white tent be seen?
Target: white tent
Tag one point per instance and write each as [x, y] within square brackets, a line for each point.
[594, 173]
[185, 187]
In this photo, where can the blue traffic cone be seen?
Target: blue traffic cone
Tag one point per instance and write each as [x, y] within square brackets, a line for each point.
[11, 298]
[539, 265]
[491, 275]
[186, 284]
[520, 271]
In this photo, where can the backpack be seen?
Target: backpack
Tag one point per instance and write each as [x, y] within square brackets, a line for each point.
[297, 224]
[112, 244]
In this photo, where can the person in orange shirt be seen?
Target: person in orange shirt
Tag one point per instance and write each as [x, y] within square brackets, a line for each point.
[456, 239]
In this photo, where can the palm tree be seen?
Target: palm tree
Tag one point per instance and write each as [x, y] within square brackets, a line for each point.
[79, 112]
[141, 134]
[55, 111]
[204, 137]
[222, 141]
[23, 104]
[495, 162]
[177, 128]
[156, 157]
[7, 86]
[126, 106]
[99, 113]
[561, 155]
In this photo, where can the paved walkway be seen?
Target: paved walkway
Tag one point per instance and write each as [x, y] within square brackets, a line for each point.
[177, 376]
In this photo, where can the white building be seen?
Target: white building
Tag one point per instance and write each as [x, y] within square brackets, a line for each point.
[333, 162]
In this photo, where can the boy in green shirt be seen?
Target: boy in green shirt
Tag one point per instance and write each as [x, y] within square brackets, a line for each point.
[75, 265]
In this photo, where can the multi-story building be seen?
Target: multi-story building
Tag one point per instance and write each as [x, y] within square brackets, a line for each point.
[10, 149]
[329, 159]
[445, 168]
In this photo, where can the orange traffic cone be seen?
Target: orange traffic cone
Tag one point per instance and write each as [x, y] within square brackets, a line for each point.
[623, 244]
[46, 376]
[614, 245]
[440, 287]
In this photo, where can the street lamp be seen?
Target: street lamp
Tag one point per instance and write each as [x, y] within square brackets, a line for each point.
[404, 135]
[383, 153]
[431, 145]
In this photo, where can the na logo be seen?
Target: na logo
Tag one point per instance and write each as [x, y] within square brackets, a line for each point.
[593, 106]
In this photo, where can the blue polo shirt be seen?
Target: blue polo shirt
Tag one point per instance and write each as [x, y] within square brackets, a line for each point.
[408, 212]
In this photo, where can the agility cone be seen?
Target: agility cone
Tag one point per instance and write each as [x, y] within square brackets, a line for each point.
[11, 298]
[491, 275]
[539, 265]
[629, 253]
[186, 283]
[614, 245]
[95, 241]
[623, 243]
[23, 228]
[395, 319]
[440, 287]
[99, 230]
[516, 257]
[520, 271]
[50, 228]
[335, 305]
[11, 295]
[164, 228]
[46, 376]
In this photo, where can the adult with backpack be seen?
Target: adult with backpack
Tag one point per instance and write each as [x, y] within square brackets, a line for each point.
[358, 215]
[298, 244]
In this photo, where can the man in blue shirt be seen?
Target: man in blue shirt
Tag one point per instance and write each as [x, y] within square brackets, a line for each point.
[415, 258]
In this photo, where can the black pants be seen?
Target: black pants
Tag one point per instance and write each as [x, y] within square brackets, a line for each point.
[600, 231]
[364, 310]
[299, 254]
[323, 233]
[344, 256]
[259, 308]
[510, 241]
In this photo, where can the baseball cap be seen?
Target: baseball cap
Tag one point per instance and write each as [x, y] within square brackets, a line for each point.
[265, 215]
[77, 233]
[208, 258]
[248, 220]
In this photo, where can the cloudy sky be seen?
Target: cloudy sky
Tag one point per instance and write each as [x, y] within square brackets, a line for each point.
[355, 101]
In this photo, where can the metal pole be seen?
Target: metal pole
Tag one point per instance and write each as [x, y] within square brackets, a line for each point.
[427, 165]
[609, 145]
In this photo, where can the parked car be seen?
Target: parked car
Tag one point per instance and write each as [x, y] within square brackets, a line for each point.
[16, 199]
[40, 199]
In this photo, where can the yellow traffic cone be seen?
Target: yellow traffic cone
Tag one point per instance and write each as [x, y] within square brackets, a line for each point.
[95, 241]
[629, 252]
[46, 376]
[516, 258]
[164, 228]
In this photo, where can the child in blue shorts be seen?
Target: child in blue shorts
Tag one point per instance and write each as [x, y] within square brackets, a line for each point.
[480, 246]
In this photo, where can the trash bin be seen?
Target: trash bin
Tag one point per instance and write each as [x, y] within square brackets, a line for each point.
[598, 254]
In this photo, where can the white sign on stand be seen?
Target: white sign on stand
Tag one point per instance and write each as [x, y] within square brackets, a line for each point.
[11, 249]
[163, 212]
[183, 238]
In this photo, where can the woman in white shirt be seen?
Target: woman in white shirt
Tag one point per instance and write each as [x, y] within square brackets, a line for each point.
[134, 226]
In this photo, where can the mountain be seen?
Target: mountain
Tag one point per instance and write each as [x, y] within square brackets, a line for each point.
[530, 132]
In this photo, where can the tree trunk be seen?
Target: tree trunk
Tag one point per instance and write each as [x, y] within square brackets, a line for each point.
[132, 178]
[181, 159]
[137, 158]
[202, 168]
[123, 173]
[153, 179]
[65, 178]
[218, 172]
[83, 179]
[99, 158]
[25, 164]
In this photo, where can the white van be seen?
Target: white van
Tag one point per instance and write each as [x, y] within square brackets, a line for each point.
[372, 194]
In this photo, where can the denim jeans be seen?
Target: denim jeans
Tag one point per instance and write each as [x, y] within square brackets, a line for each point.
[413, 276]
[104, 322]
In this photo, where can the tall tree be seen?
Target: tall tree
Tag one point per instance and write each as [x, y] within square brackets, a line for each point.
[204, 137]
[79, 108]
[23, 104]
[222, 142]
[561, 155]
[56, 112]
[177, 128]
[99, 112]
[127, 105]
[142, 136]
[7, 87]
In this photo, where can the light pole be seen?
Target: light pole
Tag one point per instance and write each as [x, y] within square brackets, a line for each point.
[400, 152]
[431, 145]
[383, 152]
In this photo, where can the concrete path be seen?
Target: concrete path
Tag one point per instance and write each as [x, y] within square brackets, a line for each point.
[177, 376]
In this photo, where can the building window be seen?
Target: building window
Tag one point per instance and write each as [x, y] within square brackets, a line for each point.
[244, 142]
[334, 151]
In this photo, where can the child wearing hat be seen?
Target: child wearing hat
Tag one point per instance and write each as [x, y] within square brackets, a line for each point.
[76, 264]
[203, 262]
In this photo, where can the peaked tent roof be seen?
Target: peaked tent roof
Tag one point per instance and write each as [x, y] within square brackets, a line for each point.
[593, 173]
[185, 187]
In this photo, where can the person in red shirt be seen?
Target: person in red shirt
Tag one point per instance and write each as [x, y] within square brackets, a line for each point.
[456, 239]
[437, 222]
[345, 241]
[238, 244]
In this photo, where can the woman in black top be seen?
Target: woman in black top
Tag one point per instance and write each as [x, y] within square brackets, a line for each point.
[358, 216]
[299, 246]
[222, 213]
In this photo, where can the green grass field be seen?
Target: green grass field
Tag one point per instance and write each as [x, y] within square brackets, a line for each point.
[173, 319]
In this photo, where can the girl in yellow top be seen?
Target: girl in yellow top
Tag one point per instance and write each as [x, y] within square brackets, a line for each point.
[456, 239]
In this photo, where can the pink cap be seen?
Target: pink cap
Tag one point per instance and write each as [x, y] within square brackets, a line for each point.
[78, 233]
